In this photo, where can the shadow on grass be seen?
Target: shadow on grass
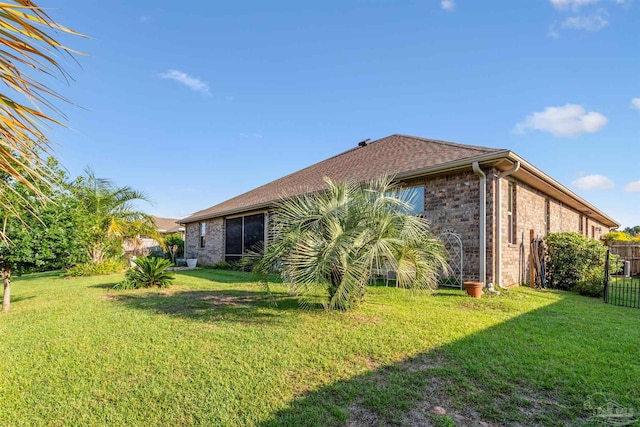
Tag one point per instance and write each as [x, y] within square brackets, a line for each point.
[226, 305]
[103, 285]
[223, 276]
[21, 298]
[535, 369]
[37, 276]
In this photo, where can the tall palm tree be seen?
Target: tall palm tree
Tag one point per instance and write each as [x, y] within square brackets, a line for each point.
[107, 215]
[28, 50]
[331, 242]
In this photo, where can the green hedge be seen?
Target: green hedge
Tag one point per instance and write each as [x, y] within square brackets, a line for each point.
[572, 260]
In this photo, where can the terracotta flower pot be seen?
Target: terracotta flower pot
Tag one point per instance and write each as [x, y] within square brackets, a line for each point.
[474, 289]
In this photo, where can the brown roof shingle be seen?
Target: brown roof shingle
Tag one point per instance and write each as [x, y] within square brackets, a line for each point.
[392, 155]
[166, 225]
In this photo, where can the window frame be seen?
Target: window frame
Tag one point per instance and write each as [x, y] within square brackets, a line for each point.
[398, 193]
[203, 233]
[511, 213]
[242, 234]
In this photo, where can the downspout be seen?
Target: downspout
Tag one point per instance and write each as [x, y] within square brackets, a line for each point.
[483, 222]
[498, 197]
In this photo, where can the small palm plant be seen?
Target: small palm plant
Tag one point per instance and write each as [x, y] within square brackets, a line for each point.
[147, 272]
[332, 241]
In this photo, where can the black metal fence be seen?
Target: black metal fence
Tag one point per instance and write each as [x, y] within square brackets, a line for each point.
[620, 286]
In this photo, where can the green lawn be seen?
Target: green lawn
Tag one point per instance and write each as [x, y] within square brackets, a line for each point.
[211, 351]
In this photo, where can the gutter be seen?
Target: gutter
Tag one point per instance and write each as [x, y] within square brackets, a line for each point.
[483, 222]
[498, 198]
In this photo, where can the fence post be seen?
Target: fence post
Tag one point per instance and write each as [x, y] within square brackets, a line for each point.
[606, 277]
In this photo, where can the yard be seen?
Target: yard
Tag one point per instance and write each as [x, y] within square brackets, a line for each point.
[211, 350]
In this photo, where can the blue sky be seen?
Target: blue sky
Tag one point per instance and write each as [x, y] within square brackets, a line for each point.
[196, 102]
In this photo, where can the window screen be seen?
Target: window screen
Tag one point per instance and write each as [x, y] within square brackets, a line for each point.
[253, 232]
[233, 241]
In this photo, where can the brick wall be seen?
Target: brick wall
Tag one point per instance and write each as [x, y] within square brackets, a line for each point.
[452, 202]
[535, 211]
[213, 250]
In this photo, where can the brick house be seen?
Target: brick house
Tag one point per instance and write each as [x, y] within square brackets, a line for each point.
[491, 197]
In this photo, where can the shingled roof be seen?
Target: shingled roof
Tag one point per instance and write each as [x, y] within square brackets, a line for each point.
[392, 155]
[166, 225]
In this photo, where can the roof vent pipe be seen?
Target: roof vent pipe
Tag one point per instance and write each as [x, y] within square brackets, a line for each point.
[483, 222]
[514, 169]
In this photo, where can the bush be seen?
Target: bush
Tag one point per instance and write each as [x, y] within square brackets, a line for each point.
[592, 285]
[174, 242]
[572, 259]
[108, 266]
[223, 265]
[147, 272]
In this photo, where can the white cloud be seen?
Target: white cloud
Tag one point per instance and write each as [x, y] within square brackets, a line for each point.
[635, 103]
[588, 23]
[187, 80]
[567, 121]
[633, 187]
[448, 5]
[571, 4]
[593, 182]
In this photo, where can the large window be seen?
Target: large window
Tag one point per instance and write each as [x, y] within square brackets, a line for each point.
[511, 211]
[243, 234]
[414, 196]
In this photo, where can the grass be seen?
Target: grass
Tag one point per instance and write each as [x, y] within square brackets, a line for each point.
[211, 350]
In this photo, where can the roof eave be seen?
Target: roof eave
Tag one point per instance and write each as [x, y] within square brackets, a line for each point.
[484, 159]
[606, 219]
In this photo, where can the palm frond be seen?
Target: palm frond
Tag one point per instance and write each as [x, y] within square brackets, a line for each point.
[26, 43]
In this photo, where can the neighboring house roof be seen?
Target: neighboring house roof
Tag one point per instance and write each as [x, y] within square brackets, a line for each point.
[167, 225]
[401, 156]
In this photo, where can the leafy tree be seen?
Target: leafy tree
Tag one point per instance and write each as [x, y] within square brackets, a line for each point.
[331, 241]
[632, 231]
[106, 216]
[38, 235]
[29, 51]
[175, 246]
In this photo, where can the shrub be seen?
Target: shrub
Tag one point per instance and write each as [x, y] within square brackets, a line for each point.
[147, 272]
[235, 266]
[572, 259]
[108, 266]
[592, 285]
[223, 265]
[175, 247]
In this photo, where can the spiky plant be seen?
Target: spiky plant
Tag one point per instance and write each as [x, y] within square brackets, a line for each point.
[149, 272]
[331, 241]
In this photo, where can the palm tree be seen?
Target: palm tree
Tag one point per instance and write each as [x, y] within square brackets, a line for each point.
[107, 215]
[27, 45]
[332, 241]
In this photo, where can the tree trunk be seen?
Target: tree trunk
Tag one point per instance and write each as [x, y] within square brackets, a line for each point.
[6, 279]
